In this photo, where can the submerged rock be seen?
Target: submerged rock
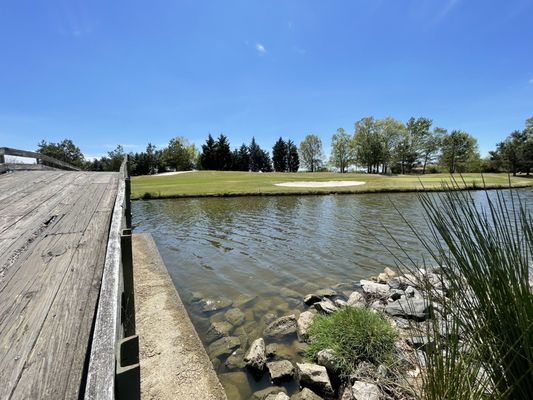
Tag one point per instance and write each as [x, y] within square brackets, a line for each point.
[218, 330]
[243, 299]
[272, 390]
[286, 292]
[326, 293]
[282, 326]
[314, 377]
[365, 391]
[234, 316]
[306, 394]
[279, 351]
[256, 357]
[215, 304]
[224, 346]
[311, 299]
[280, 370]
[326, 358]
[235, 360]
[277, 396]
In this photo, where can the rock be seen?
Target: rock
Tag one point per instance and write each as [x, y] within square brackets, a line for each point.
[314, 377]
[356, 299]
[286, 292]
[306, 394]
[417, 342]
[311, 299]
[279, 351]
[389, 272]
[235, 360]
[218, 330]
[234, 316]
[396, 294]
[396, 283]
[232, 382]
[208, 305]
[382, 278]
[375, 289]
[269, 318]
[365, 391]
[256, 357]
[301, 348]
[377, 305]
[326, 306]
[326, 358]
[278, 396]
[282, 326]
[340, 303]
[243, 299]
[280, 370]
[346, 394]
[402, 323]
[412, 292]
[408, 308]
[223, 346]
[272, 390]
[304, 322]
[326, 293]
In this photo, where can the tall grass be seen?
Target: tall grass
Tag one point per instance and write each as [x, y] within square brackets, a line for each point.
[485, 252]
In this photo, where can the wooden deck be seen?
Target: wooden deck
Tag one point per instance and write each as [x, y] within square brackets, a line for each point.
[54, 229]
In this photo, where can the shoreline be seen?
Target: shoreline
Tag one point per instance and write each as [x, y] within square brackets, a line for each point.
[154, 196]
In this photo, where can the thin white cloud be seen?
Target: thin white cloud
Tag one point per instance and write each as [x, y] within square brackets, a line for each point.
[260, 48]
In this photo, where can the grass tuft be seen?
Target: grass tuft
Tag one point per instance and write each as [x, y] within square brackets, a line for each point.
[355, 335]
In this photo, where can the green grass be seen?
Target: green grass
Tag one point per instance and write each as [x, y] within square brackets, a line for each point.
[219, 183]
[355, 335]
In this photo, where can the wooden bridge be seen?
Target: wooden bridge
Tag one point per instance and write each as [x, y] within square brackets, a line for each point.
[67, 323]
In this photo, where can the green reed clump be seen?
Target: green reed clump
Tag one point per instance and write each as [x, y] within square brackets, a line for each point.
[485, 253]
[355, 335]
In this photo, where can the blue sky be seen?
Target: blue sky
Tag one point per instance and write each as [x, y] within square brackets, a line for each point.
[133, 72]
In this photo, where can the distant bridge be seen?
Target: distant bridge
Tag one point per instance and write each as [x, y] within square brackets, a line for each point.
[67, 319]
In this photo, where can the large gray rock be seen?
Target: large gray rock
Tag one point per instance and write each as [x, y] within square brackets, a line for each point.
[325, 306]
[280, 370]
[223, 346]
[216, 304]
[304, 323]
[356, 299]
[311, 299]
[235, 360]
[412, 308]
[314, 377]
[256, 357]
[306, 394]
[218, 330]
[326, 293]
[326, 358]
[234, 316]
[375, 289]
[365, 391]
[282, 326]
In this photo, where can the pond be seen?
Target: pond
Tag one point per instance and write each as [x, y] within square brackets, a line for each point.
[263, 254]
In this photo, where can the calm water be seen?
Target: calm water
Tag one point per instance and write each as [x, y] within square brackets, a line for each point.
[276, 249]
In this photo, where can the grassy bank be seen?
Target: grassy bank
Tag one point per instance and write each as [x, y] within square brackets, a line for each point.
[219, 183]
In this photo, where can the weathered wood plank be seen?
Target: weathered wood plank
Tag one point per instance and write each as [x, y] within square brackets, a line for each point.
[101, 374]
[30, 154]
[70, 318]
[33, 289]
[30, 183]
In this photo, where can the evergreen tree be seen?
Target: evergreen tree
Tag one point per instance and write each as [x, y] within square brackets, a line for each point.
[65, 151]
[293, 160]
[280, 156]
[259, 158]
[222, 154]
[208, 156]
[241, 159]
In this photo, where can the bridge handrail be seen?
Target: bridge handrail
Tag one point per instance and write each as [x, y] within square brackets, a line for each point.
[8, 151]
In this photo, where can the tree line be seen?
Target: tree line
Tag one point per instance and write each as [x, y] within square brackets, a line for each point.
[381, 146]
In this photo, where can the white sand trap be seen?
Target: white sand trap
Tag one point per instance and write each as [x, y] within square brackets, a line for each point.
[317, 184]
[174, 173]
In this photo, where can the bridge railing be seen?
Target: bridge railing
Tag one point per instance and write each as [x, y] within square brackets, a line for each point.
[43, 161]
[114, 371]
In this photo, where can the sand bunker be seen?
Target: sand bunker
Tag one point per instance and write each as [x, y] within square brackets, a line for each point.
[316, 184]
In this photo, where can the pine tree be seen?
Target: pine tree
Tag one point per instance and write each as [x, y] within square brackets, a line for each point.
[222, 154]
[280, 156]
[293, 160]
[208, 156]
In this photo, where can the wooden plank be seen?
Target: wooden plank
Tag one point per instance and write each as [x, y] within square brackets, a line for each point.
[101, 374]
[70, 318]
[30, 154]
[27, 184]
[34, 288]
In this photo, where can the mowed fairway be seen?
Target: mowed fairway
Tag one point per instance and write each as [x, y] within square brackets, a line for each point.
[221, 183]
